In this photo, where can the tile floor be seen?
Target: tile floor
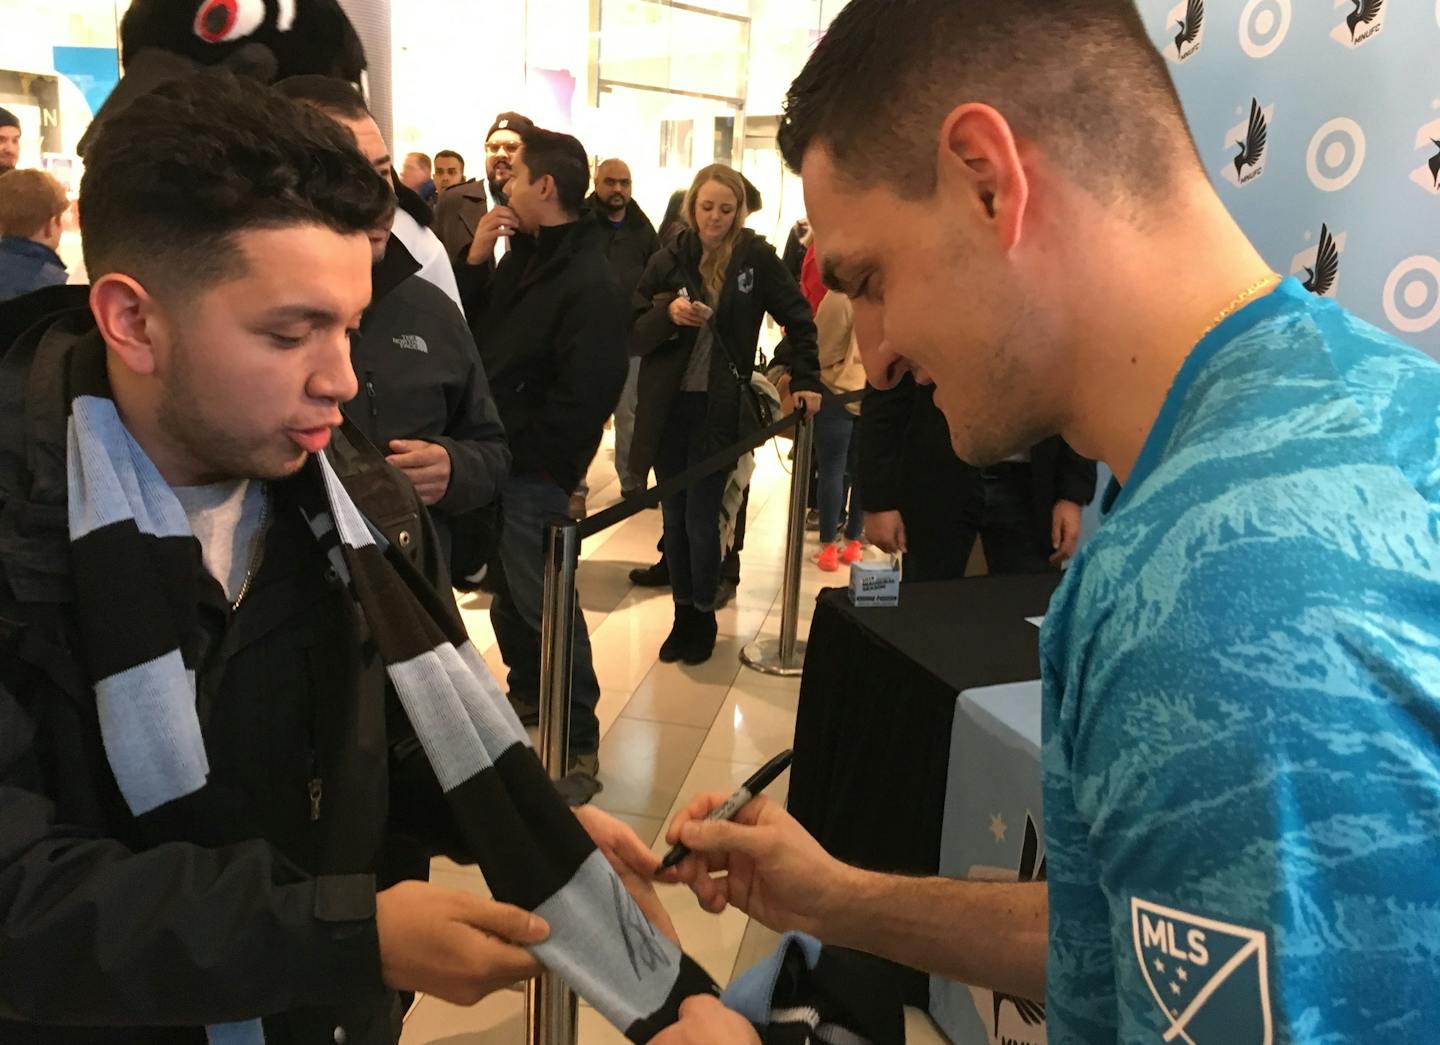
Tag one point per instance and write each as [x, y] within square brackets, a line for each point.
[668, 731]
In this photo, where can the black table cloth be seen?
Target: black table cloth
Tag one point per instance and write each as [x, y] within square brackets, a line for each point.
[877, 702]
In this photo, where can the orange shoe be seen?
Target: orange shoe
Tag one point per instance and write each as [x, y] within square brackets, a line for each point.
[829, 558]
[853, 553]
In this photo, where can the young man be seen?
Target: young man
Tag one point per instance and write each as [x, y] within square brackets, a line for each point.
[1242, 667]
[630, 241]
[32, 213]
[205, 736]
[449, 170]
[554, 337]
[9, 140]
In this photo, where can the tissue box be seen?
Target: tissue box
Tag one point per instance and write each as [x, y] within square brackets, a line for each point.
[875, 583]
[992, 831]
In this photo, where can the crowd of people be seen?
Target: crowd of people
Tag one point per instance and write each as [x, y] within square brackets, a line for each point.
[308, 393]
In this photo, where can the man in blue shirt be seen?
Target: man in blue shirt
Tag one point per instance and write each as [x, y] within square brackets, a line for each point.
[32, 210]
[1242, 668]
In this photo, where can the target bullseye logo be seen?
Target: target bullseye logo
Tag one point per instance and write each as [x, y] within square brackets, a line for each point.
[1336, 154]
[1264, 24]
[1412, 294]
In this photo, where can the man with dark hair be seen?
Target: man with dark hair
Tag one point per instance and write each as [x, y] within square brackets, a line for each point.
[554, 336]
[630, 240]
[411, 225]
[1241, 698]
[474, 234]
[449, 171]
[9, 140]
[206, 579]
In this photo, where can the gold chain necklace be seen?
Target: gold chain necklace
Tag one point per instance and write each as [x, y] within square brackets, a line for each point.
[1239, 299]
[257, 547]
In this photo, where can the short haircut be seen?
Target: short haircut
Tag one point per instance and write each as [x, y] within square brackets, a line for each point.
[337, 98]
[563, 158]
[29, 199]
[451, 154]
[176, 175]
[424, 160]
[1081, 79]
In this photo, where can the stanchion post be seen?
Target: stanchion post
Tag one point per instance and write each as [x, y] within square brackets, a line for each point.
[551, 1012]
[786, 655]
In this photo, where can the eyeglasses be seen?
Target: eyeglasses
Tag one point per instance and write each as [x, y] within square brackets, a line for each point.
[496, 148]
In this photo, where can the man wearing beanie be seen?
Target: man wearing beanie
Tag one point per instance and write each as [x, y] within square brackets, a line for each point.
[9, 140]
[460, 209]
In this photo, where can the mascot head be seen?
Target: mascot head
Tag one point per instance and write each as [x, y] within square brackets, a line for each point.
[266, 40]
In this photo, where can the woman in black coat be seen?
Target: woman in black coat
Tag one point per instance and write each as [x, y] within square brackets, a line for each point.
[693, 346]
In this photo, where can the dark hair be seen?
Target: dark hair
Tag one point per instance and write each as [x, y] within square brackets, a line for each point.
[173, 177]
[1082, 79]
[563, 158]
[8, 118]
[334, 97]
[452, 154]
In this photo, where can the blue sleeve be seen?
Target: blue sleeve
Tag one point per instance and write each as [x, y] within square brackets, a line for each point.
[1245, 786]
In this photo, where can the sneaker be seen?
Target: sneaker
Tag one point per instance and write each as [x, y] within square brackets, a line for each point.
[673, 648]
[853, 553]
[812, 519]
[699, 642]
[527, 709]
[582, 781]
[829, 558]
[657, 576]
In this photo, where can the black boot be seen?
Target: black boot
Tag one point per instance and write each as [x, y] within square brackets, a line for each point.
[699, 642]
[675, 644]
[657, 576]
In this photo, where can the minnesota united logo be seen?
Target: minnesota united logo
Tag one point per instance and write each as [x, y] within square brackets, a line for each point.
[1427, 143]
[1321, 264]
[746, 283]
[1210, 979]
[1189, 19]
[1364, 22]
[1249, 139]
[1009, 1019]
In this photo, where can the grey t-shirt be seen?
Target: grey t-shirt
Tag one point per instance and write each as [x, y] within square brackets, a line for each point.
[697, 369]
[225, 518]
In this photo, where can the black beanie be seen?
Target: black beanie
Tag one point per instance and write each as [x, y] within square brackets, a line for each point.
[510, 121]
[8, 118]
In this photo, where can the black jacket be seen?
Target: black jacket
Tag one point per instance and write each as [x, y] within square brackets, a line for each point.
[420, 378]
[906, 464]
[552, 336]
[629, 247]
[755, 285]
[253, 905]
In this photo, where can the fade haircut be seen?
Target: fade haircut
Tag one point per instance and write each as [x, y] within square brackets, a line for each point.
[336, 98]
[1080, 78]
[563, 158]
[174, 177]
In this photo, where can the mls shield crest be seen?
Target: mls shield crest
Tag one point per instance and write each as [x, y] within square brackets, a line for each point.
[1210, 979]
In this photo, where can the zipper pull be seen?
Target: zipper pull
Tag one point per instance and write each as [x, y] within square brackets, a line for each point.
[316, 790]
[370, 392]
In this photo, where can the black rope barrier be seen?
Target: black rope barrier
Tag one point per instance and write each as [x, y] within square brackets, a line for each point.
[651, 497]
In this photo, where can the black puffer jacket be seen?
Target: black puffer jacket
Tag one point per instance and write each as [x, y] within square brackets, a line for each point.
[756, 285]
[263, 903]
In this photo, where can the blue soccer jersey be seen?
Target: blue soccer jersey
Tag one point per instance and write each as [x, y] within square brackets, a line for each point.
[1242, 704]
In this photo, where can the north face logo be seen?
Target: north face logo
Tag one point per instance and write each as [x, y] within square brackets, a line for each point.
[413, 342]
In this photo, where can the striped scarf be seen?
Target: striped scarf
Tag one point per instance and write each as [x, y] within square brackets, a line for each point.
[132, 551]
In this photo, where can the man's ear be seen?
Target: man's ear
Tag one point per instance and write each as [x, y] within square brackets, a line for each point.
[126, 316]
[979, 165]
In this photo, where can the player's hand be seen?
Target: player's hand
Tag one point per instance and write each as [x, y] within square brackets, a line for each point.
[1064, 532]
[425, 464]
[498, 223]
[885, 530]
[704, 1021]
[683, 313]
[451, 944]
[762, 862]
[633, 862]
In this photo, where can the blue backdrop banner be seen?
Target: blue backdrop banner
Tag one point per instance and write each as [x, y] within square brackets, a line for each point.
[1319, 122]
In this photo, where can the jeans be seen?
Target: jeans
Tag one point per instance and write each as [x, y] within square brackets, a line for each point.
[625, 430]
[691, 518]
[1002, 512]
[835, 449]
[529, 503]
